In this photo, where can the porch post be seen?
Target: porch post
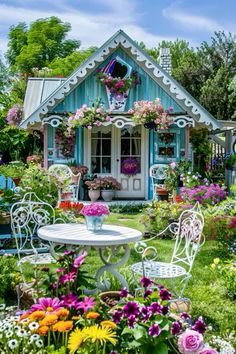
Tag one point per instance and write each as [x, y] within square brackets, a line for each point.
[228, 149]
[187, 135]
[45, 146]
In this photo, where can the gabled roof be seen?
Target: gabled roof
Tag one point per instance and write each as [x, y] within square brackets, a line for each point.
[152, 68]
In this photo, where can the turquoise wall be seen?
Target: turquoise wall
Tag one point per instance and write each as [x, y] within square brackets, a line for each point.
[90, 89]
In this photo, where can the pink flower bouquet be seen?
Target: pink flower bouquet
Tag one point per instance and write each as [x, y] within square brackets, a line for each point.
[95, 209]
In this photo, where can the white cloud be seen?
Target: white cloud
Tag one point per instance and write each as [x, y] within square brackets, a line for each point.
[190, 21]
[90, 28]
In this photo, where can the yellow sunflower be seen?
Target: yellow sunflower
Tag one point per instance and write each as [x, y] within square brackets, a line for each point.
[75, 340]
[99, 334]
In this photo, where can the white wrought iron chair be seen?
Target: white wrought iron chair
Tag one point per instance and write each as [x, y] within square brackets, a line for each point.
[27, 216]
[158, 175]
[62, 175]
[188, 236]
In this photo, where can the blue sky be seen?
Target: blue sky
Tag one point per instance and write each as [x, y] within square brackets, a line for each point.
[150, 21]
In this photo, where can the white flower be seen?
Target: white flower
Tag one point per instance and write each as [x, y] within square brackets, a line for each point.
[35, 337]
[21, 333]
[39, 343]
[12, 344]
[33, 326]
[9, 334]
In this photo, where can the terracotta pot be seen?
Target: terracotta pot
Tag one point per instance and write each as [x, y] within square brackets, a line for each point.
[16, 180]
[163, 194]
[94, 194]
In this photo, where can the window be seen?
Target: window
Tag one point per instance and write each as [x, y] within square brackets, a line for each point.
[166, 146]
[101, 150]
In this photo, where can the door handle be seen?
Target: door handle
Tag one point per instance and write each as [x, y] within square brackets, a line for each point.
[117, 160]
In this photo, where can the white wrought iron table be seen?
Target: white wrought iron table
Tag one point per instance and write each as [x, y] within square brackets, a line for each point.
[109, 241]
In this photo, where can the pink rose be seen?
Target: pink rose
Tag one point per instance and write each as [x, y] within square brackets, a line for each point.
[208, 351]
[190, 342]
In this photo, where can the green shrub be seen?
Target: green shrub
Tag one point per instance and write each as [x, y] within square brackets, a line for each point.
[9, 277]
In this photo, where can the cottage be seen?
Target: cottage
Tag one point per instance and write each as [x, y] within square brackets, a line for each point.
[118, 146]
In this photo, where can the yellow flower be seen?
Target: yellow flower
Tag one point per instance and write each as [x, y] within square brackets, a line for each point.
[43, 330]
[108, 324]
[99, 334]
[75, 340]
[92, 315]
[216, 261]
[63, 326]
[213, 266]
[37, 315]
[62, 313]
[49, 320]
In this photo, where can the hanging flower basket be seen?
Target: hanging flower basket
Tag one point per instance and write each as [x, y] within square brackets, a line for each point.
[151, 114]
[130, 166]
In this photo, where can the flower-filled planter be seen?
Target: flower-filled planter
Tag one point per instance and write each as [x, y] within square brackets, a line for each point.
[151, 114]
[89, 116]
[94, 215]
[108, 187]
[130, 166]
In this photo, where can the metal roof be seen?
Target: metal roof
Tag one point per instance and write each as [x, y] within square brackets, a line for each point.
[37, 91]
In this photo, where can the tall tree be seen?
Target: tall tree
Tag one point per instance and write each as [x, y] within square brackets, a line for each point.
[39, 45]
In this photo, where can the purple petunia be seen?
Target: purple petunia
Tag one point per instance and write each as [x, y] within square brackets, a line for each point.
[199, 326]
[146, 282]
[131, 309]
[165, 294]
[154, 330]
[124, 292]
[117, 316]
[175, 328]
[155, 307]
[131, 321]
[147, 293]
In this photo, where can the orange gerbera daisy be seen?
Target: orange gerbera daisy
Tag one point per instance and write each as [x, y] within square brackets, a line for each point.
[37, 315]
[43, 330]
[63, 326]
[49, 320]
[25, 315]
[92, 315]
[62, 313]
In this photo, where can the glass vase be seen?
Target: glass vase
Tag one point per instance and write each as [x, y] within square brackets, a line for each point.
[94, 223]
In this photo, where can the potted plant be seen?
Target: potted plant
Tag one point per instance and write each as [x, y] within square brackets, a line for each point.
[230, 161]
[94, 215]
[94, 187]
[89, 116]
[117, 86]
[151, 114]
[14, 170]
[108, 187]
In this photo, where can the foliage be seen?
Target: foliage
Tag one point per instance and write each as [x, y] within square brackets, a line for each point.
[173, 174]
[9, 276]
[201, 148]
[227, 272]
[88, 116]
[39, 44]
[145, 112]
[230, 161]
[65, 141]
[221, 228]
[13, 170]
[36, 180]
[192, 179]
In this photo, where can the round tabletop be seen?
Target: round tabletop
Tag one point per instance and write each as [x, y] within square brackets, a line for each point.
[77, 234]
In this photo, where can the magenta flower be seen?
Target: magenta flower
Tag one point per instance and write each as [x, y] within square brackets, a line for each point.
[60, 270]
[124, 292]
[147, 293]
[68, 252]
[199, 326]
[146, 282]
[131, 321]
[117, 316]
[164, 310]
[190, 342]
[154, 330]
[185, 316]
[79, 260]
[155, 307]
[67, 278]
[48, 305]
[175, 328]
[131, 309]
[70, 300]
[165, 294]
[95, 209]
[208, 351]
[86, 304]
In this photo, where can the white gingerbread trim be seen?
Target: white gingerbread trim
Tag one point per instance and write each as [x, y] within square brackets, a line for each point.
[176, 91]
